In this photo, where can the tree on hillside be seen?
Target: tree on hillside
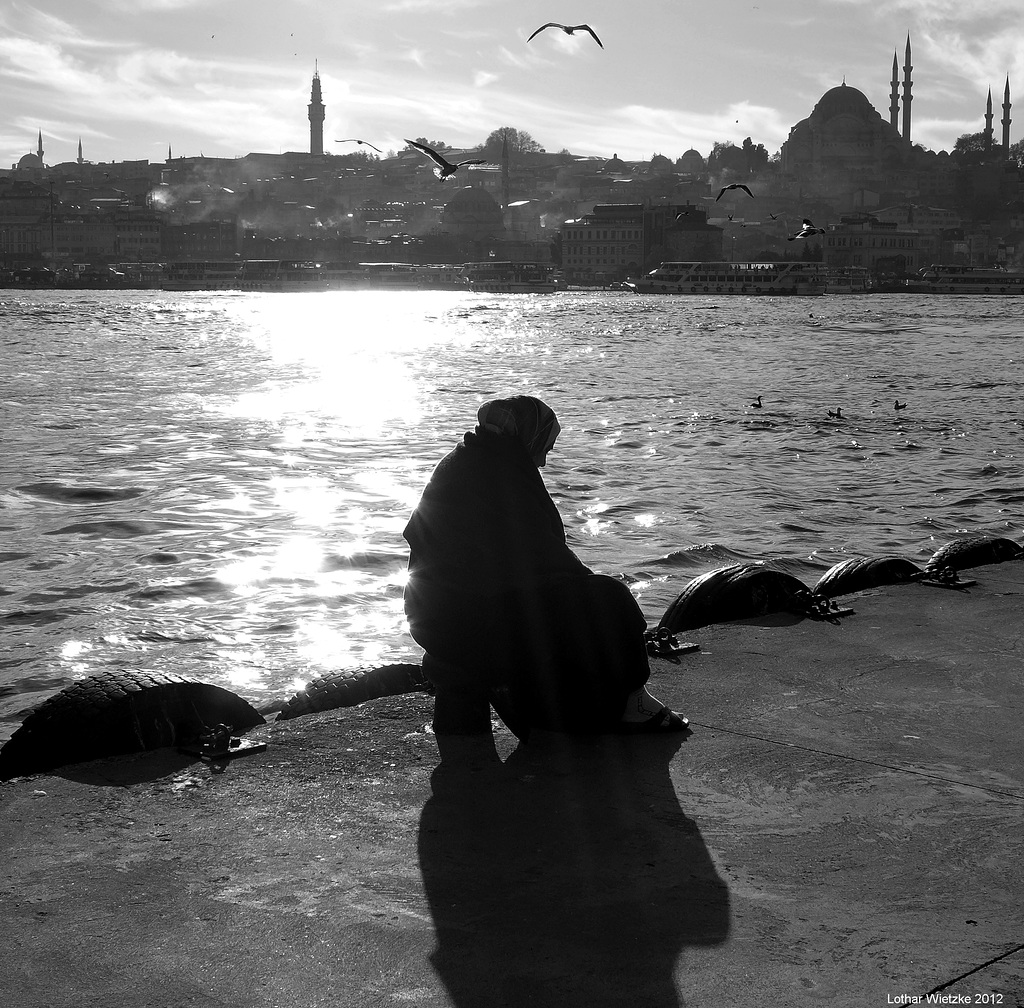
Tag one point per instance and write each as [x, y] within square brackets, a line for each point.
[970, 148]
[1016, 153]
[746, 160]
[438, 145]
[756, 156]
[725, 156]
[519, 142]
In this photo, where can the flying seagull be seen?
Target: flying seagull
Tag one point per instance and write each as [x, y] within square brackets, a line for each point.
[806, 231]
[444, 169]
[733, 185]
[568, 29]
[368, 144]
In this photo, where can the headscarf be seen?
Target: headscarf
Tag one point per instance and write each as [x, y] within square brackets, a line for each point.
[525, 418]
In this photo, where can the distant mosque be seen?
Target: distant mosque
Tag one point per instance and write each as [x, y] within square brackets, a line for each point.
[844, 132]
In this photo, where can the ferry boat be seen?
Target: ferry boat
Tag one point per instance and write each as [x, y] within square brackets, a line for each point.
[848, 280]
[756, 278]
[492, 277]
[938, 279]
[244, 275]
[393, 276]
[28, 276]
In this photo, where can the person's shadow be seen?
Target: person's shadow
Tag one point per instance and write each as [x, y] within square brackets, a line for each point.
[567, 876]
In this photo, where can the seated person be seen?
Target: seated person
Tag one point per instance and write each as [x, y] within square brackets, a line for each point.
[507, 614]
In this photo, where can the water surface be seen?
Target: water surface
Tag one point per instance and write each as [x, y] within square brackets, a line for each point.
[216, 484]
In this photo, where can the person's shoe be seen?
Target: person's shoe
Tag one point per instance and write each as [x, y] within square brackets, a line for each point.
[664, 720]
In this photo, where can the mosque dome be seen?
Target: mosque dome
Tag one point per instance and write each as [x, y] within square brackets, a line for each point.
[692, 161]
[472, 198]
[843, 100]
[29, 162]
[843, 132]
[473, 213]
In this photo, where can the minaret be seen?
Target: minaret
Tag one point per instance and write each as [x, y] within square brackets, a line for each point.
[504, 171]
[1006, 120]
[168, 152]
[988, 123]
[907, 85]
[316, 117]
[40, 150]
[894, 95]
[80, 158]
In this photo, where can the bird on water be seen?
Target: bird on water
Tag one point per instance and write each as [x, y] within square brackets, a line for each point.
[757, 404]
[897, 405]
[568, 29]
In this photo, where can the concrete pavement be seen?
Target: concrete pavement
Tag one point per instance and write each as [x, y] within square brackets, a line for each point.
[844, 827]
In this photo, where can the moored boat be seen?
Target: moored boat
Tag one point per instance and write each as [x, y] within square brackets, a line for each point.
[952, 279]
[510, 277]
[394, 276]
[754, 278]
[28, 276]
[848, 280]
[244, 275]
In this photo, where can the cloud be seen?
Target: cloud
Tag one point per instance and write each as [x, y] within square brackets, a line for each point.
[430, 6]
[143, 6]
[528, 59]
[942, 10]
[414, 56]
[233, 103]
[481, 78]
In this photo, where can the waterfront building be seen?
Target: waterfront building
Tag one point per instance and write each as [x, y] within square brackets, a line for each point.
[138, 235]
[21, 239]
[883, 247]
[81, 239]
[684, 233]
[201, 240]
[604, 245]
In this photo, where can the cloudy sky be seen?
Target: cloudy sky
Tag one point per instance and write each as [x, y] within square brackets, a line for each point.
[227, 77]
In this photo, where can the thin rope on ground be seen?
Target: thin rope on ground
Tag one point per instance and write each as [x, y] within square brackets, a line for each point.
[963, 976]
[858, 759]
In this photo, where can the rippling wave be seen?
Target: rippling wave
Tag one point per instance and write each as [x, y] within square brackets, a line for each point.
[216, 484]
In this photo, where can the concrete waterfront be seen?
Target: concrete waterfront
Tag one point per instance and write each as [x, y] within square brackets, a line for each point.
[843, 827]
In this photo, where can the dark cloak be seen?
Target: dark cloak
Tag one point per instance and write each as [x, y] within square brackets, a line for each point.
[495, 590]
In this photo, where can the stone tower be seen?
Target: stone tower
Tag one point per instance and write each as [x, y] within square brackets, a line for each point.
[316, 117]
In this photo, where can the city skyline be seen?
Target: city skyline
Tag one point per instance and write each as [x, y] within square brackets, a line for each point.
[225, 78]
